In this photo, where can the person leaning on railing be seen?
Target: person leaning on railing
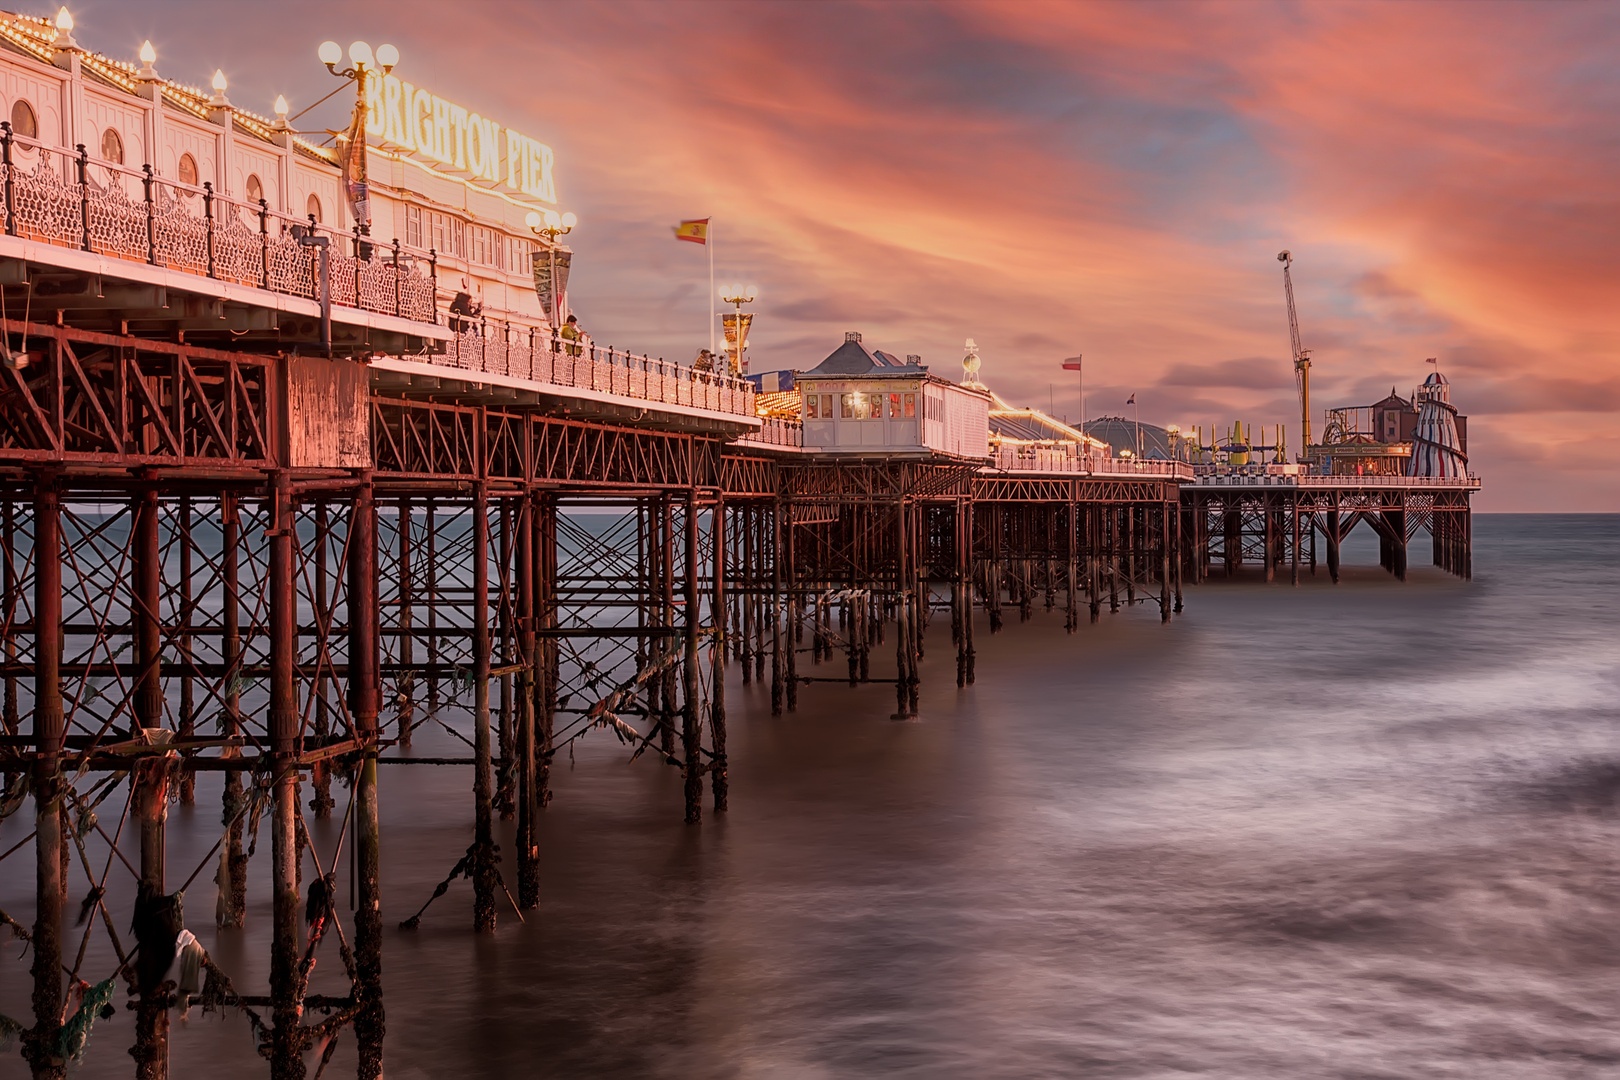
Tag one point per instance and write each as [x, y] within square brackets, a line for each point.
[572, 334]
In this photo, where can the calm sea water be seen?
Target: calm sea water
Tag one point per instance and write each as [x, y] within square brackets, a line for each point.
[1363, 831]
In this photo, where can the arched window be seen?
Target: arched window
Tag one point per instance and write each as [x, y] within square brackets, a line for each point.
[112, 147]
[188, 169]
[314, 207]
[23, 121]
[255, 188]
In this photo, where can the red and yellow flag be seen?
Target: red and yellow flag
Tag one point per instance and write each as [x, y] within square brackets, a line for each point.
[695, 231]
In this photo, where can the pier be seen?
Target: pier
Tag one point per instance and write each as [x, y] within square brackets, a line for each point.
[269, 506]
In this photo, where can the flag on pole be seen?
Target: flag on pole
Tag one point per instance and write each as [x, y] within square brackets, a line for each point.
[1132, 401]
[353, 153]
[1072, 364]
[695, 231]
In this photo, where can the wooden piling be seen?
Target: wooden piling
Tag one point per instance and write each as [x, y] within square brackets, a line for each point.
[364, 700]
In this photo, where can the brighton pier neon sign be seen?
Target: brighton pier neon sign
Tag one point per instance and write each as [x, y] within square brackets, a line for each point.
[413, 119]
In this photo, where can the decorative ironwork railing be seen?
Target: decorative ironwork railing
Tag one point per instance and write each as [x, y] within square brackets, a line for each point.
[543, 357]
[63, 197]
[1037, 459]
[775, 431]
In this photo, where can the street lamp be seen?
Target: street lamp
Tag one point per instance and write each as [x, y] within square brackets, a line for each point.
[550, 224]
[737, 296]
[361, 63]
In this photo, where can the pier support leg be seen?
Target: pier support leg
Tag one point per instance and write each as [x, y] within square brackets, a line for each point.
[1333, 543]
[39, 1044]
[364, 693]
[407, 687]
[1293, 514]
[151, 799]
[528, 796]
[777, 670]
[717, 693]
[690, 715]
[484, 867]
[232, 910]
[286, 1004]
[1165, 512]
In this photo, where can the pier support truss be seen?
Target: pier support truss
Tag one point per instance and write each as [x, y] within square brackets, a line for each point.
[259, 567]
[1280, 529]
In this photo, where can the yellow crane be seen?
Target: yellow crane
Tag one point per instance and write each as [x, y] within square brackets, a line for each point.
[1302, 357]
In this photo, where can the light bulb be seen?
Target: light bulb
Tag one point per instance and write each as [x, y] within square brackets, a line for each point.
[569, 221]
[533, 219]
[219, 81]
[330, 52]
[553, 221]
[148, 54]
[387, 55]
[360, 54]
[64, 20]
[281, 107]
[753, 291]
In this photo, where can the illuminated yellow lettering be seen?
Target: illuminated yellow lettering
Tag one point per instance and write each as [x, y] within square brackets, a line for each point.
[548, 187]
[374, 106]
[492, 151]
[421, 118]
[475, 144]
[514, 155]
[441, 130]
[458, 125]
[393, 116]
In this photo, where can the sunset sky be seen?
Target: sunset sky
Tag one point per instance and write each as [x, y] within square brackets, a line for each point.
[1050, 179]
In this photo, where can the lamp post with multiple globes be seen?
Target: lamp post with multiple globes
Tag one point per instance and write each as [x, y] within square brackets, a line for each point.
[550, 224]
[362, 63]
[737, 296]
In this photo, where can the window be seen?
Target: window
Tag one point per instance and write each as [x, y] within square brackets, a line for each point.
[484, 246]
[911, 406]
[112, 147]
[188, 169]
[810, 401]
[846, 406]
[413, 226]
[444, 234]
[894, 406]
[313, 207]
[23, 121]
[826, 406]
[255, 187]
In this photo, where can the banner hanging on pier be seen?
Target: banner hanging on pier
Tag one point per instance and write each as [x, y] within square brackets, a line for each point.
[553, 291]
[354, 167]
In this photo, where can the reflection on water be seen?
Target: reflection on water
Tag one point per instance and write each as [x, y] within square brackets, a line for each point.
[1365, 831]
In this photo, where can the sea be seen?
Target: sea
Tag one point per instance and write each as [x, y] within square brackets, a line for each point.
[1360, 830]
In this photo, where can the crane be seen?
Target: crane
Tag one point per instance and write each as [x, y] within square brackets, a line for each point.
[1302, 357]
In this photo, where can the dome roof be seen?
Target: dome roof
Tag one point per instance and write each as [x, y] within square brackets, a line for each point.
[1436, 379]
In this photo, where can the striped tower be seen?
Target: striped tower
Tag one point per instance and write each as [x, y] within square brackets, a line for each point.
[1436, 448]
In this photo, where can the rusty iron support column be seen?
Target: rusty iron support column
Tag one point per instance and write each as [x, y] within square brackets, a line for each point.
[786, 553]
[154, 929]
[545, 578]
[718, 780]
[528, 800]
[365, 688]
[691, 717]
[1293, 514]
[504, 799]
[666, 575]
[775, 608]
[1164, 561]
[188, 689]
[484, 870]
[745, 584]
[232, 911]
[405, 652]
[320, 774]
[39, 1044]
[286, 1049]
[1333, 539]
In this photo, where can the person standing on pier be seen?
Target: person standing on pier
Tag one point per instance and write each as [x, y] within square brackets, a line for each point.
[572, 333]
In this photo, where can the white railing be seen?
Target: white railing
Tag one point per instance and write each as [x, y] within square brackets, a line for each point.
[1240, 480]
[68, 199]
[1037, 459]
[774, 431]
[540, 356]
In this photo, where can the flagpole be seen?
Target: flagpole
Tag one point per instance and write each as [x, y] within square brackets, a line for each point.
[709, 243]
